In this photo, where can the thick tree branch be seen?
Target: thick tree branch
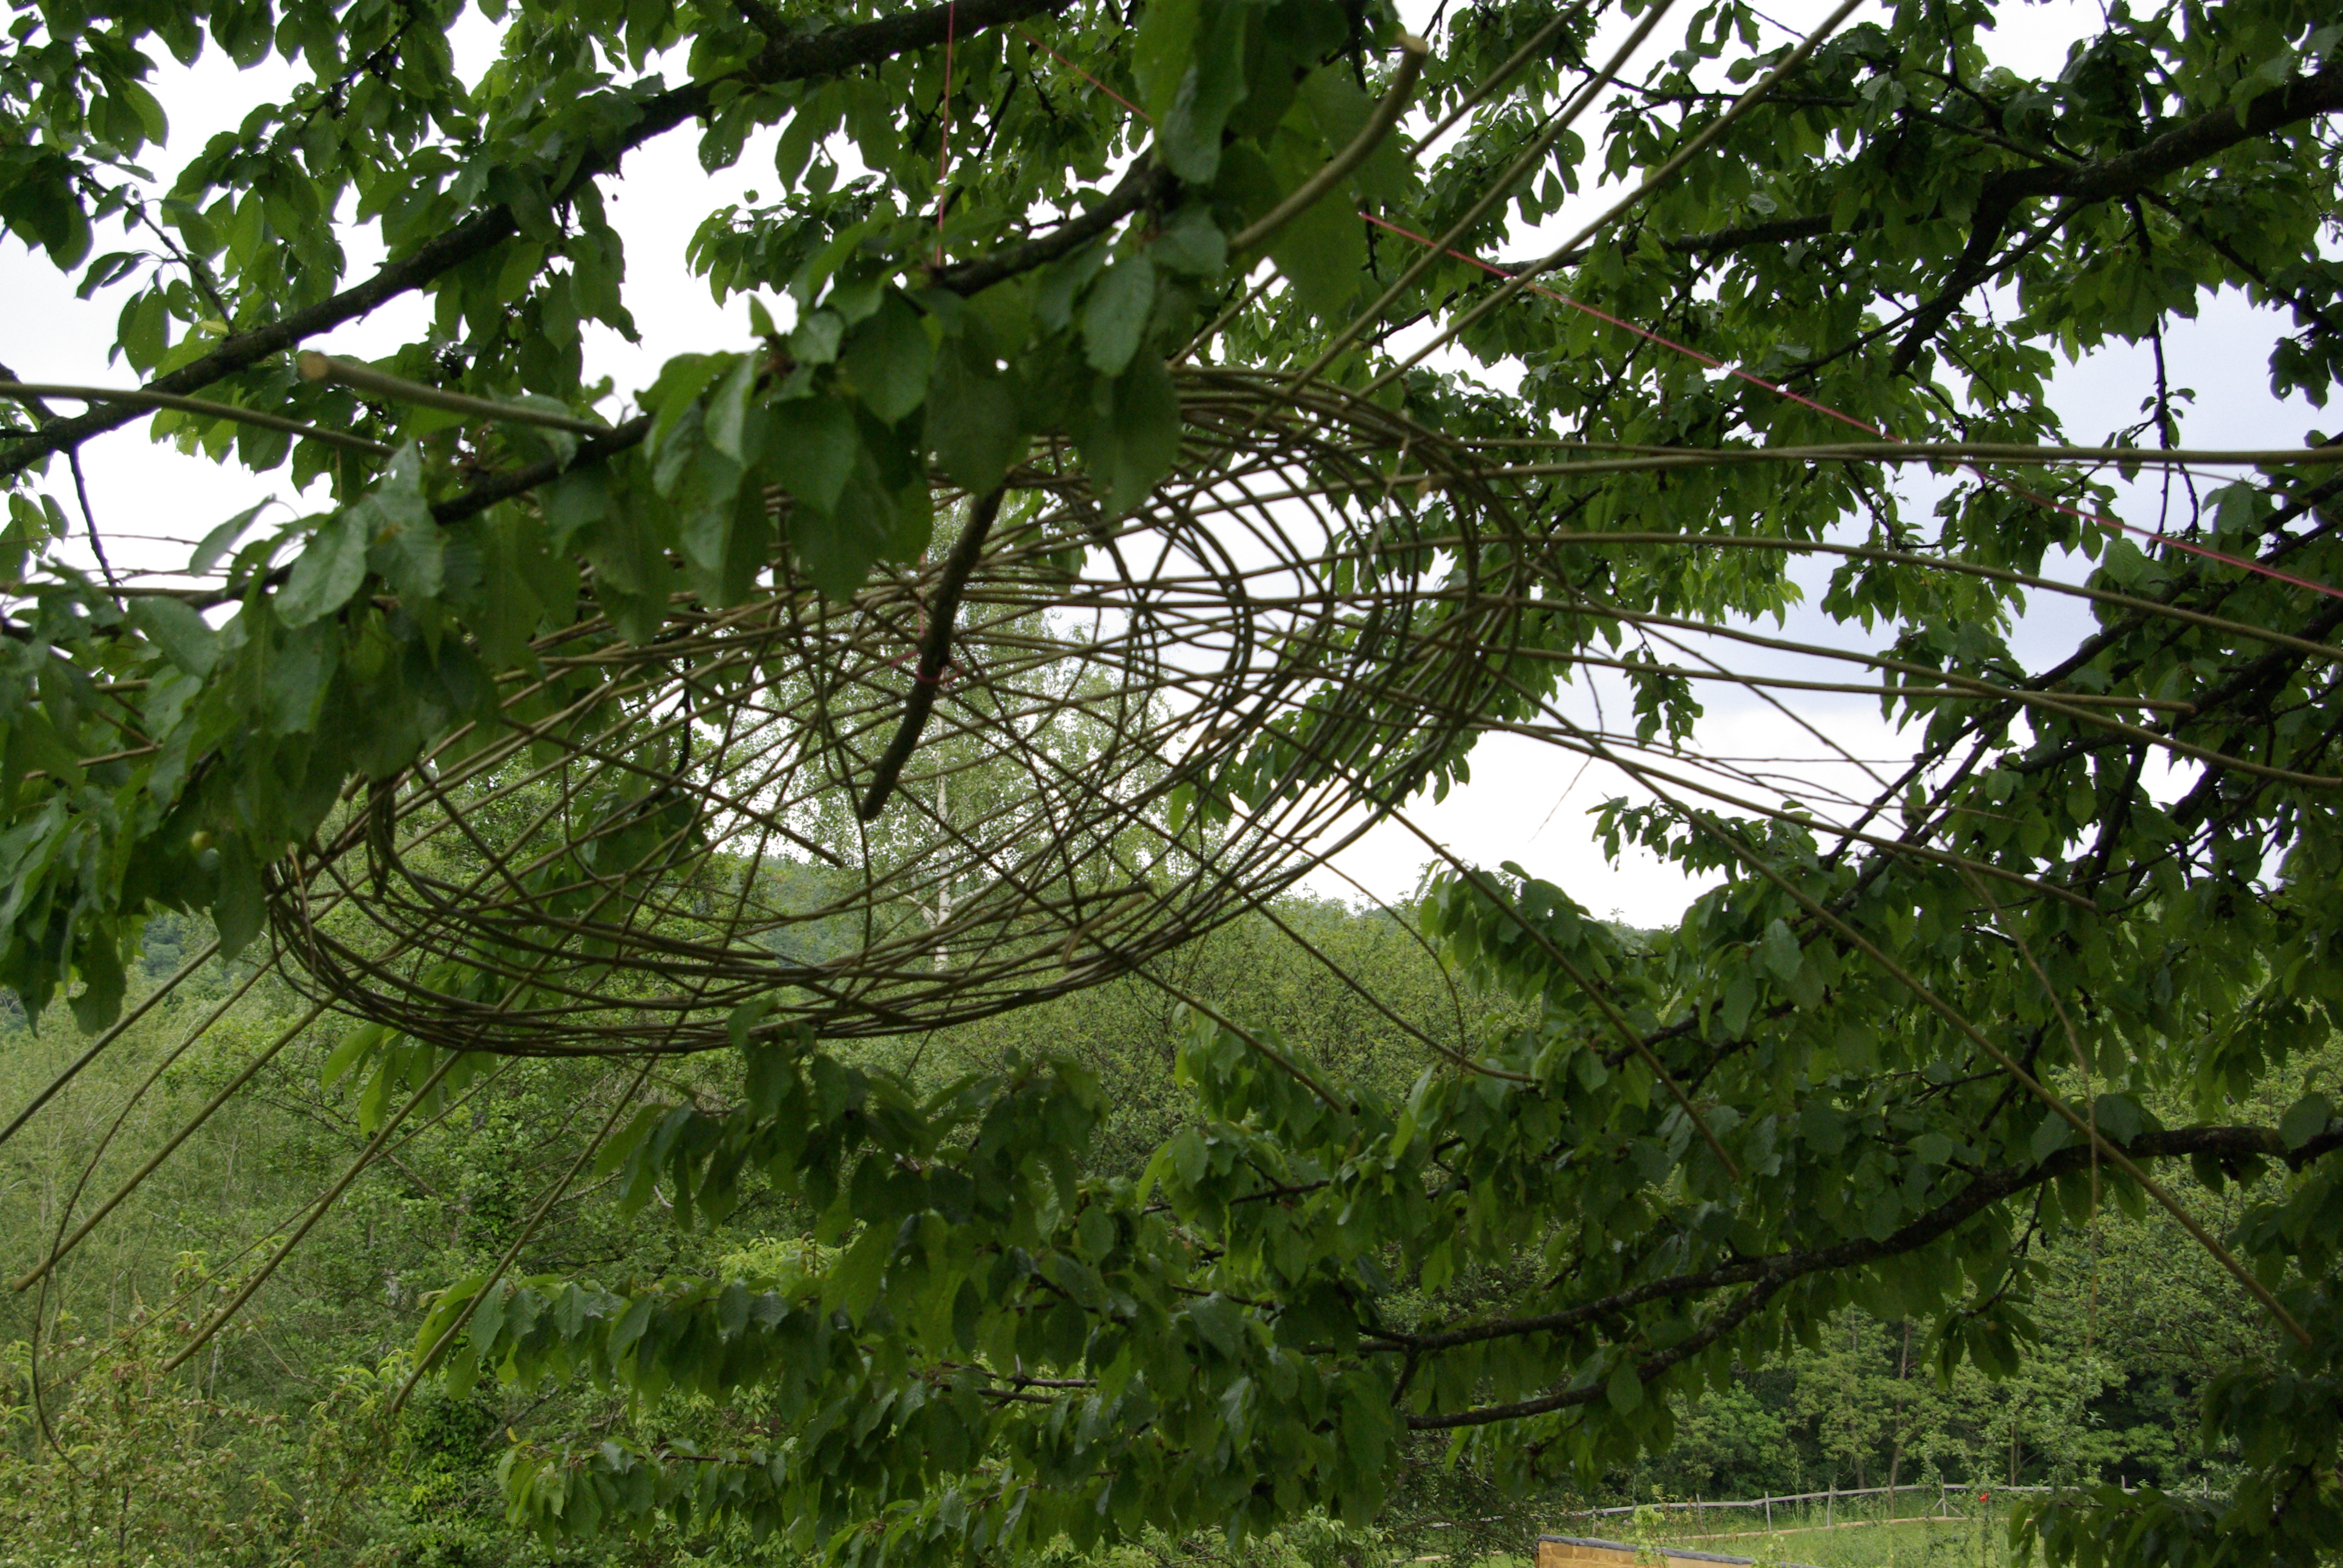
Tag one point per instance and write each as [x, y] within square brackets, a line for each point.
[1989, 1187]
[2127, 174]
[795, 57]
[935, 652]
[1775, 231]
[504, 487]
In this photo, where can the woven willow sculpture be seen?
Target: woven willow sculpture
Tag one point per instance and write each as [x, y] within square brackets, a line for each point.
[658, 835]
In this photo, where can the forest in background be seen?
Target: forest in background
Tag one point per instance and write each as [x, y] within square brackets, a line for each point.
[276, 1444]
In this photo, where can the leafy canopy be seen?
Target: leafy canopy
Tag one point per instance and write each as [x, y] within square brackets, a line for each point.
[1886, 1053]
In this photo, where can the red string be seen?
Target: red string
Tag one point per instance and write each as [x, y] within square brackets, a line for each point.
[910, 664]
[943, 135]
[2100, 520]
[1085, 75]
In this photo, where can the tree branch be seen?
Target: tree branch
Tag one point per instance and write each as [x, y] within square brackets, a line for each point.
[794, 58]
[1142, 185]
[2127, 174]
[1991, 1187]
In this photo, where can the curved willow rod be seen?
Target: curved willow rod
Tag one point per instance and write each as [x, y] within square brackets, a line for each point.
[654, 837]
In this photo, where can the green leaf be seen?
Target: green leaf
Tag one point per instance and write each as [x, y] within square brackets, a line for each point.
[1338, 109]
[1191, 243]
[1114, 314]
[294, 674]
[576, 500]
[915, 522]
[1625, 1390]
[237, 909]
[99, 1001]
[1323, 254]
[327, 572]
[973, 423]
[811, 447]
[852, 1285]
[726, 428]
[837, 548]
[2050, 1135]
[680, 382]
[222, 539]
[1095, 1232]
[815, 339]
[1162, 51]
[743, 1021]
[887, 357]
[1188, 129]
[1129, 432]
[405, 545]
[185, 639]
[1780, 950]
[2305, 1119]
[356, 1047]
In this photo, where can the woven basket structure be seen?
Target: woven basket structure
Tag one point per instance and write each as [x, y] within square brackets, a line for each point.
[1147, 724]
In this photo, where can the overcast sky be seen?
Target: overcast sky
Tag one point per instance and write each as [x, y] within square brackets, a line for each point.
[1527, 802]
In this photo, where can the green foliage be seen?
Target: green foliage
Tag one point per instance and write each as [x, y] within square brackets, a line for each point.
[1248, 1276]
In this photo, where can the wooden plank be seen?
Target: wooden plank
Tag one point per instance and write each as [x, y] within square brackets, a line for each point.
[1557, 1553]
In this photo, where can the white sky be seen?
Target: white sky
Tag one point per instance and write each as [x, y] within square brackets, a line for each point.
[1527, 802]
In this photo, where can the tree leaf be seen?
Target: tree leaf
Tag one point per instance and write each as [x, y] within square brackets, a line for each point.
[1625, 1390]
[1129, 432]
[1191, 243]
[1114, 314]
[327, 572]
[237, 909]
[810, 447]
[972, 417]
[405, 543]
[838, 548]
[1188, 130]
[185, 639]
[1163, 51]
[1323, 253]
[888, 359]
[2305, 1119]
[99, 1001]
[852, 1285]
[1779, 947]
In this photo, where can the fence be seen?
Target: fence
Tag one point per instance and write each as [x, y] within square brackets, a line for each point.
[1946, 1495]
[1956, 1522]
[1942, 1507]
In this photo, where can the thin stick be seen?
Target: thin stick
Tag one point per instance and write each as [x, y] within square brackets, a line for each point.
[138, 398]
[553, 1195]
[1624, 204]
[317, 367]
[145, 1005]
[219, 1319]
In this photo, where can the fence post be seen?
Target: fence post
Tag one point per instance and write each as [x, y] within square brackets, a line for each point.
[1769, 1515]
